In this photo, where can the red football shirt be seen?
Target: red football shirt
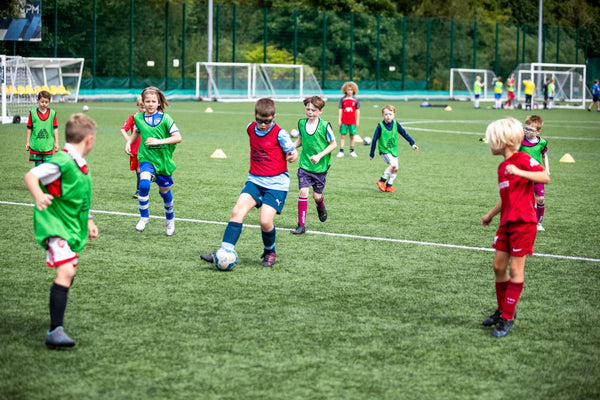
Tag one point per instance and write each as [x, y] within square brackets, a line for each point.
[349, 105]
[516, 193]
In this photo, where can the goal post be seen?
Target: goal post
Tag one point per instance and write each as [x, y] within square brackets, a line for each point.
[570, 88]
[462, 80]
[224, 81]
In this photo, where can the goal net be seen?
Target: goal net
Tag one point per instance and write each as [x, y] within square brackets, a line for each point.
[569, 83]
[463, 79]
[17, 85]
[245, 81]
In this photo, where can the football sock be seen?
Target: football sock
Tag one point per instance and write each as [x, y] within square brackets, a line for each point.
[320, 203]
[168, 202]
[144, 198]
[539, 211]
[137, 184]
[341, 150]
[390, 181]
[513, 292]
[269, 240]
[351, 149]
[231, 235]
[500, 293]
[385, 176]
[302, 207]
[58, 304]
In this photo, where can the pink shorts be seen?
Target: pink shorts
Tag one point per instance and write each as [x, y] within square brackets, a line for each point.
[516, 238]
[59, 252]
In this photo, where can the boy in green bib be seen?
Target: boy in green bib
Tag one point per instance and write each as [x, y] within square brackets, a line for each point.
[62, 190]
[318, 141]
[42, 130]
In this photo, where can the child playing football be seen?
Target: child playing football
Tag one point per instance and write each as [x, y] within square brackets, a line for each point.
[386, 139]
[268, 181]
[348, 116]
[536, 147]
[129, 125]
[42, 130]
[62, 190]
[159, 136]
[517, 230]
[318, 141]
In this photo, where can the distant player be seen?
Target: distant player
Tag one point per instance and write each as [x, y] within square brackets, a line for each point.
[498, 92]
[42, 130]
[529, 89]
[318, 141]
[510, 91]
[517, 230]
[385, 139]
[159, 136]
[129, 125]
[595, 96]
[348, 116]
[62, 189]
[268, 181]
[537, 147]
[477, 87]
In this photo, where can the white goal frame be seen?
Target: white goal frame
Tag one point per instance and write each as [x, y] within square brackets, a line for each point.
[570, 82]
[255, 80]
[460, 89]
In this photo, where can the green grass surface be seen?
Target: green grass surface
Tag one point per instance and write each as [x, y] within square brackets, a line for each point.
[343, 314]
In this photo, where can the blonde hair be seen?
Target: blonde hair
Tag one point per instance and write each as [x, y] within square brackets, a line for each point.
[388, 107]
[350, 85]
[78, 127]
[162, 100]
[505, 132]
[140, 102]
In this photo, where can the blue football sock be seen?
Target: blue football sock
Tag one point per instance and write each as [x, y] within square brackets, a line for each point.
[231, 235]
[269, 239]
[168, 202]
[144, 197]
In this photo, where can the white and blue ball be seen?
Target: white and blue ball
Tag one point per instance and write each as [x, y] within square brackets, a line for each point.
[225, 259]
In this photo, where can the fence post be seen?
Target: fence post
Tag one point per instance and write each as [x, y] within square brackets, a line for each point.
[324, 50]
[183, 40]
[218, 31]
[517, 45]
[474, 44]
[56, 28]
[265, 32]
[131, 24]
[428, 56]
[452, 43]
[576, 45]
[351, 71]
[403, 52]
[295, 50]
[557, 44]
[523, 49]
[94, 47]
[167, 45]
[233, 33]
[378, 70]
[496, 51]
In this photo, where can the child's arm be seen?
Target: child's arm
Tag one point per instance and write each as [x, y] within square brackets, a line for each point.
[546, 163]
[534, 176]
[298, 142]
[340, 116]
[92, 229]
[56, 145]
[42, 200]
[173, 139]
[376, 135]
[487, 218]
[27, 138]
[317, 157]
[357, 116]
[407, 137]
[132, 138]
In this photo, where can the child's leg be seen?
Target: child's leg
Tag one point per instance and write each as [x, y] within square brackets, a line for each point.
[502, 278]
[343, 142]
[267, 226]
[167, 197]
[144, 194]
[59, 292]
[540, 207]
[352, 140]
[514, 288]
[302, 206]
[393, 170]
[233, 231]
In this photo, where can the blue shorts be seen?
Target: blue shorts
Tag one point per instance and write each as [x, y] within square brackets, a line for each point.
[497, 96]
[270, 197]
[163, 181]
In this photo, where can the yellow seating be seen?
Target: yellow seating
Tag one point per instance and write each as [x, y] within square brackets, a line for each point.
[46, 88]
[10, 89]
[53, 90]
[21, 90]
[37, 89]
[29, 90]
[62, 90]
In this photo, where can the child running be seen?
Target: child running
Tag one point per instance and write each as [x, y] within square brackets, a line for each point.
[159, 137]
[348, 116]
[42, 130]
[386, 139]
[268, 181]
[318, 141]
[129, 125]
[537, 147]
[517, 230]
[62, 190]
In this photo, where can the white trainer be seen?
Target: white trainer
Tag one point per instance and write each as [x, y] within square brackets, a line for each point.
[141, 225]
[340, 154]
[353, 154]
[540, 228]
[170, 227]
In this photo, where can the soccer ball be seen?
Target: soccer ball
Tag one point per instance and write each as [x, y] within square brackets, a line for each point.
[85, 108]
[294, 133]
[225, 259]
[366, 140]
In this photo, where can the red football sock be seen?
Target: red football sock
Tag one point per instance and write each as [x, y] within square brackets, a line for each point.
[500, 293]
[302, 207]
[539, 210]
[513, 292]
[320, 203]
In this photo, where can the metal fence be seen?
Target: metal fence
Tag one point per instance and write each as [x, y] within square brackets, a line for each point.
[118, 38]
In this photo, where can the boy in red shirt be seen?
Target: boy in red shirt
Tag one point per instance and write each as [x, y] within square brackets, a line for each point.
[518, 222]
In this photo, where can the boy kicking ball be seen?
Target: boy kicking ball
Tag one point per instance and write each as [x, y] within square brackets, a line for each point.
[518, 222]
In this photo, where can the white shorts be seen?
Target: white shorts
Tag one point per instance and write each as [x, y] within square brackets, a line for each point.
[390, 159]
[59, 252]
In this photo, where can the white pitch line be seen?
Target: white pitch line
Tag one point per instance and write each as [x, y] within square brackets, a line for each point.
[342, 235]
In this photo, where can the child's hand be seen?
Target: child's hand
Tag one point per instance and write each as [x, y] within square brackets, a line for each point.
[92, 230]
[152, 141]
[27, 147]
[511, 169]
[415, 147]
[55, 148]
[315, 159]
[486, 220]
[291, 156]
[128, 149]
[43, 201]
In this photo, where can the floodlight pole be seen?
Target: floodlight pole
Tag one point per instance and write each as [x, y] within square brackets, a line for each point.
[540, 31]
[210, 31]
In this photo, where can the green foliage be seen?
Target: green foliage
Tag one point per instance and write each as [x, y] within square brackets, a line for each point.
[274, 55]
[392, 312]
